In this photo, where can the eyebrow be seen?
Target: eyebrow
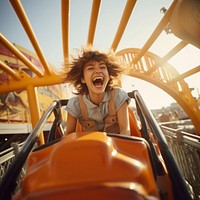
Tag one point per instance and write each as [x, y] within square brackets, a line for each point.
[91, 63]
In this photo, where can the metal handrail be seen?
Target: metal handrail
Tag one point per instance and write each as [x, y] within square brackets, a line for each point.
[186, 150]
[8, 153]
[183, 133]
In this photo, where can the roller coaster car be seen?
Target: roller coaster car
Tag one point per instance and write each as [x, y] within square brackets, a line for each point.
[97, 165]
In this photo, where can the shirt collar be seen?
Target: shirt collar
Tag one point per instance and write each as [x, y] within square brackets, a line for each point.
[89, 104]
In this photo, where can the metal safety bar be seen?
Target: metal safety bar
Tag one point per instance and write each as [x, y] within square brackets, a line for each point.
[9, 181]
[180, 189]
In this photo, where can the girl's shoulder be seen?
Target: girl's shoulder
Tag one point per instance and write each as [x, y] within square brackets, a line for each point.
[73, 107]
[120, 96]
[119, 91]
[73, 100]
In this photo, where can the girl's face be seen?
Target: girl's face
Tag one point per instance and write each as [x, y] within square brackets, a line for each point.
[96, 77]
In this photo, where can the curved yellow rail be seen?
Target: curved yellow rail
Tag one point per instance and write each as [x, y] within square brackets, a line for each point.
[164, 76]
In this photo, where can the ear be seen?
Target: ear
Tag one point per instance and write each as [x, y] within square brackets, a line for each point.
[82, 80]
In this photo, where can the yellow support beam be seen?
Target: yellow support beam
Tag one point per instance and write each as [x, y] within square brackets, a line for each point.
[36, 81]
[29, 31]
[156, 32]
[11, 72]
[93, 21]
[65, 12]
[186, 74]
[165, 58]
[34, 108]
[124, 21]
[20, 56]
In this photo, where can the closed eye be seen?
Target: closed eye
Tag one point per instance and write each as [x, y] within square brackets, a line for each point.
[89, 67]
[103, 66]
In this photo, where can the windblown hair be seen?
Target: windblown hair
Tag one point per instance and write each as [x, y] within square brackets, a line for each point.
[73, 71]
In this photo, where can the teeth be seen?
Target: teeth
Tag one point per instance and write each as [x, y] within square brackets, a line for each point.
[98, 77]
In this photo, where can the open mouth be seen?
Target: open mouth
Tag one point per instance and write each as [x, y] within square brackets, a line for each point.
[98, 81]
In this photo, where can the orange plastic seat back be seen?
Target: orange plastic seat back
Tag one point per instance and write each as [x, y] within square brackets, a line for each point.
[135, 131]
[90, 166]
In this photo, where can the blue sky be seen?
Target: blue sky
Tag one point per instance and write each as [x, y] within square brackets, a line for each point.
[45, 18]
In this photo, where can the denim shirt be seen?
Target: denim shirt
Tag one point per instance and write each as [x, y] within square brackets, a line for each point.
[97, 113]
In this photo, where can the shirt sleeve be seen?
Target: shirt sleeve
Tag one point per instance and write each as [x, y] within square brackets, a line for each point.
[120, 96]
[73, 107]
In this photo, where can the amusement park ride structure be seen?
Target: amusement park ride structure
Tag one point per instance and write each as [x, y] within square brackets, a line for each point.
[140, 63]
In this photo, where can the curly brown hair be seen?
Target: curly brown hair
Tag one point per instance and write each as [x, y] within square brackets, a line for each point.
[73, 71]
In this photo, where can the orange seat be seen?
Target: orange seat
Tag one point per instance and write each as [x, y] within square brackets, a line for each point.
[90, 166]
[135, 131]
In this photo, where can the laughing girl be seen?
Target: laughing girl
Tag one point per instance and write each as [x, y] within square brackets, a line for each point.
[98, 105]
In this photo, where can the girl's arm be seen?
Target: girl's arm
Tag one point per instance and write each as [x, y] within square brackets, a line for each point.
[71, 124]
[123, 119]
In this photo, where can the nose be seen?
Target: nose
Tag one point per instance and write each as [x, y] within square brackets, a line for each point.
[97, 69]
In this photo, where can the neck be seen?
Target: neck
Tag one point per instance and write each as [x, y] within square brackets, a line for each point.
[97, 98]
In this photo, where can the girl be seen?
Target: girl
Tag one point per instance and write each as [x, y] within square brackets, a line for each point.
[98, 106]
